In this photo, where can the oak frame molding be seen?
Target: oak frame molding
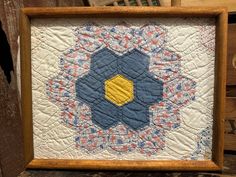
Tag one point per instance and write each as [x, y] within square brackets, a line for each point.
[219, 13]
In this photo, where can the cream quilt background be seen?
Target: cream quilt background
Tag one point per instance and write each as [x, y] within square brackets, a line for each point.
[193, 39]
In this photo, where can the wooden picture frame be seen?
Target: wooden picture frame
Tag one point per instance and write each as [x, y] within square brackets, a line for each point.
[220, 15]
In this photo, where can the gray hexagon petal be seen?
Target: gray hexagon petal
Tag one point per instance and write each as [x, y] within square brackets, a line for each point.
[135, 115]
[104, 63]
[88, 89]
[105, 114]
[149, 90]
[134, 63]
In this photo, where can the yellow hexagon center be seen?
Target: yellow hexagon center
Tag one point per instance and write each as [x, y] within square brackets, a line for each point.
[119, 90]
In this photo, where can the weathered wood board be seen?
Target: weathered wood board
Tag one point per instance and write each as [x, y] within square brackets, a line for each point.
[231, 66]
[229, 3]
[230, 124]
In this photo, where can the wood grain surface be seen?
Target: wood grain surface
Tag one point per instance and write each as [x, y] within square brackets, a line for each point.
[220, 89]
[231, 64]
[230, 4]
[228, 170]
[26, 101]
[11, 152]
[141, 12]
[230, 124]
[162, 165]
[175, 2]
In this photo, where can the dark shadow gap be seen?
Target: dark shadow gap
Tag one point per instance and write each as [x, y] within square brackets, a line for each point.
[230, 152]
[5, 55]
[232, 18]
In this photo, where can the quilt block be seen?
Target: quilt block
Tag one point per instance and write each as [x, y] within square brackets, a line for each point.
[124, 89]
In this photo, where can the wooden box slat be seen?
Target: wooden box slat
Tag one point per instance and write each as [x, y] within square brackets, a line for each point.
[230, 4]
[230, 124]
[124, 2]
[231, 61]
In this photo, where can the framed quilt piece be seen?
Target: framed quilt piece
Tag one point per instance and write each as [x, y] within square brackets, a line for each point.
[123, 87]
